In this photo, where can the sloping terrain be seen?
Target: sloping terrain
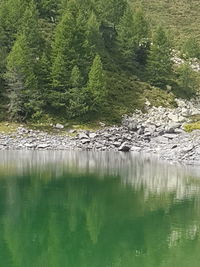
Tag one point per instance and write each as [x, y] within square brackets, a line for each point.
[181, 17]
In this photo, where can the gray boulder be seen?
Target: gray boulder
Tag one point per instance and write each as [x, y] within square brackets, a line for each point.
[59, 126]
[125, 147]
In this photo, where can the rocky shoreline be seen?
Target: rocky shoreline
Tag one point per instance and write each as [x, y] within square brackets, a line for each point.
[159, 131]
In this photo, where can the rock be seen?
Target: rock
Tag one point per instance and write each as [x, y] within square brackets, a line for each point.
[43, 146]
[181, 119]
[30, 145]
[125, 147]
[147, 103]
[170, 136]
[85, 141]
[117, 144]
[83, 136]
[173, 117]
[150, 129]
[171, 127]
[59, 126]
[185, 112]
[132, 126]
[92, 135]
[179, 131]
[71, 131]
[141, 130]
[187, 148]
[136, 148]
[21, 130]
[102, 124]
[198, 150]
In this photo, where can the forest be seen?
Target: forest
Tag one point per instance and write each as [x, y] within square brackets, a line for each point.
[75, 60]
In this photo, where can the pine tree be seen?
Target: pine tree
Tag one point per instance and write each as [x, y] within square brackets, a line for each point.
[191, 48]
[96, 86]
[141, 27]
[76, 80]
[132, 33]
[11, 12]
[63, 54]
[93, 35]
[77, 106]
[159, 64]
[188, 80]
[126, 35]
[110, 11]
[22, 68]
[20, 77]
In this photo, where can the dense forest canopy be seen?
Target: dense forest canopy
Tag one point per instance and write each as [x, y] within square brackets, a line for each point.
[84, 60]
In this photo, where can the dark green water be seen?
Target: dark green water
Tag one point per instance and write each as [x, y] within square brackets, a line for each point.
[80, 209]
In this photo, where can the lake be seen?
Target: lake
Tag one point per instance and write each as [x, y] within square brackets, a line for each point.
[89, 209]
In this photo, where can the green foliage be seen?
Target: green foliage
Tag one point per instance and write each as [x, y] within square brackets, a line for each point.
[96, 87]
[110, 11]
[180, 17]
[76, 80]
[159, 64]
[132, 33]
[191, 48]
[63, 52]
[126, 34]
[192, 126]
[77, 105]
[22, 66]
[83, 60]
[188, 80]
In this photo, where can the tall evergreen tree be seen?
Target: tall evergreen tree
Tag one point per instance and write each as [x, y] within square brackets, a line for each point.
[191, 48]
[22, 68]
[126, 34]
[110, 11]
[131, 32]
[77, 106]
[76, 80]
[187, 80]
[159, 64]
[96, 86]
[63, 54]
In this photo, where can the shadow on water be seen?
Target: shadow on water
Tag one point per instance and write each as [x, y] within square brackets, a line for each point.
[97, 209]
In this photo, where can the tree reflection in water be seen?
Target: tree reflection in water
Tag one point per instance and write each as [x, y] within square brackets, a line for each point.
[97, 209]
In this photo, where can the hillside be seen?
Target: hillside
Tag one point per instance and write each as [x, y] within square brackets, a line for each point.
[74, 60]
[181, 17]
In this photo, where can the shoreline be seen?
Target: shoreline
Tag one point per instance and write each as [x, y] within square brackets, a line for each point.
[160, 131]
[176, 147]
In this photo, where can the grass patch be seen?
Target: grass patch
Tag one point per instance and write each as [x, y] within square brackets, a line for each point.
[11, 127]
[180, 17]
[192, 126]
[8, 127]
[158, 97]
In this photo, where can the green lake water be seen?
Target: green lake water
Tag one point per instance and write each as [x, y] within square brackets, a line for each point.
[85, 209]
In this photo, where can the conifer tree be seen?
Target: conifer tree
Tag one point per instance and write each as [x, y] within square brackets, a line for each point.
[93, 35]
[126, 34]
[141, 36]
[191, 48]
[141, 27]
[76, 80]
[96, 86]
[159, 64]
[188, 80]
[77, 106]
[23, 66]
[110, 11]
[132, 32]
[63, 54]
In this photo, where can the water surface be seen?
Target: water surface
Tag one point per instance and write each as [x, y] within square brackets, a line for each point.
[97, 210]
